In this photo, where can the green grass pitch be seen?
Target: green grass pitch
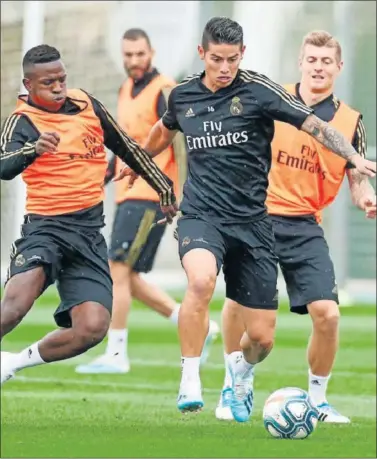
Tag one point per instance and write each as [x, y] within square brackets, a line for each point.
[50, 411]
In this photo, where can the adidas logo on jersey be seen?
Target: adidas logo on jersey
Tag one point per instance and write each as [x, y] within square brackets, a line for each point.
[190, 113]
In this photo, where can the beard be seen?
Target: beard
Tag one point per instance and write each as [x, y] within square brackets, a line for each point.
[130, 71]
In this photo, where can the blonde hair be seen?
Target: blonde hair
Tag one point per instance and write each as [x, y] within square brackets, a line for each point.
[321, 38]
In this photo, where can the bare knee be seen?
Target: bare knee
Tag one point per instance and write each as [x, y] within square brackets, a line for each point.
[201, 270]
[95, 329]
[91, 322]
[202, 285]
[325, 316]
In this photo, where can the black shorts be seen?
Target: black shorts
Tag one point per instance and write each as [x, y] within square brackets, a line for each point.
[73, 257]
[305, 261]
[132, 240]
[246, 253]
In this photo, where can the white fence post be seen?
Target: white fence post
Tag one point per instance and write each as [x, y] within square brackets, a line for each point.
[32, 35]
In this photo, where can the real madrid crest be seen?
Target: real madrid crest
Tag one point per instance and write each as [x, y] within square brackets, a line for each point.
[236, 107]
[186, 241]
[20, 260]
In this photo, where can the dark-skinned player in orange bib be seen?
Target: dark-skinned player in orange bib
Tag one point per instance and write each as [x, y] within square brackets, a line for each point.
[305, 178]
[56, 139]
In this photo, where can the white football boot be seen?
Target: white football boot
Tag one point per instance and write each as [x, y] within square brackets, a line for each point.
[190, 397]
[105, 364]
[223, 411]
[329, 414]
[241, 403]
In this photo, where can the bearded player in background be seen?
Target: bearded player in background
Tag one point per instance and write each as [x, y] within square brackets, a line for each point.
[134, 244]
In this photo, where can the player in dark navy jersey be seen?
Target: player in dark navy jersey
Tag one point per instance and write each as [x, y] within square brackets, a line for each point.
[227, 116]
[305, 178]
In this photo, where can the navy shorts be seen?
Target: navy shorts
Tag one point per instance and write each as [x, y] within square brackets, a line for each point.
[305, 261]
[244, 250]
[132, 240]
[75, 257]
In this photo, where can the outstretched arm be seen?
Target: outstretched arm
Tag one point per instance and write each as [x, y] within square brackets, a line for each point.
[338, 143]
[159, 139]
[276, 103]
[137, 158]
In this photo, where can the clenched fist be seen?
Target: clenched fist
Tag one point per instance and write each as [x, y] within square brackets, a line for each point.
[47, 143]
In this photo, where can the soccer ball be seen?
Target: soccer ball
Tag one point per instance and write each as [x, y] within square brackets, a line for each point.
[289, 413]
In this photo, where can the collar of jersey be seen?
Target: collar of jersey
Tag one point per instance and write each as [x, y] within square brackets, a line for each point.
[68, 108]
[221, 91]
[146, 78]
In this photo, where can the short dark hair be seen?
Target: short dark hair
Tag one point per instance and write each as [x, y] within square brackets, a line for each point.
[222, 30]
[135, 34]
[40, 54]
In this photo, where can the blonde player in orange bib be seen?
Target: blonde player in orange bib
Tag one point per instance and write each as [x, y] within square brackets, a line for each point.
[305, 178]
[133, 247]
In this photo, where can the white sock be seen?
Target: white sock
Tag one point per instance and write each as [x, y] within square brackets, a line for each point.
[174, 315]
[190, 369]
[29, 357]
[117, 343]
[237, 362]
[228, 378]
[318, 388]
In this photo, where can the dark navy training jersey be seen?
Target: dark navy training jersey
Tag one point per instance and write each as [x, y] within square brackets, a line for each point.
[228, 135]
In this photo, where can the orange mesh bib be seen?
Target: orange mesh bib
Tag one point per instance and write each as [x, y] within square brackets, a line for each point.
[71, 179]
[137, 116]
[305, 176]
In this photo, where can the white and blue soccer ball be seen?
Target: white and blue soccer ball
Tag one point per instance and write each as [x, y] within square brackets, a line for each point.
[289, 413]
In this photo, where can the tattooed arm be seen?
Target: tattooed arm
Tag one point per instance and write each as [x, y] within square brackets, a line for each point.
[338, 143]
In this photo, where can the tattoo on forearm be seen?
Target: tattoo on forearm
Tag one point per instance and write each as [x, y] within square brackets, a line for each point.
[328, 136]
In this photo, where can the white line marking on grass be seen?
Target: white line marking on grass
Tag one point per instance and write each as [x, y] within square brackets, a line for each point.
[360, 406]
[88, 382]
[83, 359]
[142, 319]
